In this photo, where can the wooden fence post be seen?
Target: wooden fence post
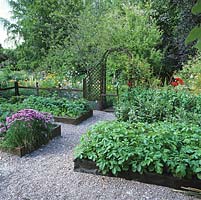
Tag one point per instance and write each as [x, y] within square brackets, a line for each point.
[84, 85]
[16, 89]
[37, 89]
[117, 92]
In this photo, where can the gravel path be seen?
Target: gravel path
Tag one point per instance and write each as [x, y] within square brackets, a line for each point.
[47, 174]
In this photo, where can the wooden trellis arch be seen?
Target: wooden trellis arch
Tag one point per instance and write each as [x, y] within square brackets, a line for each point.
[94, 86]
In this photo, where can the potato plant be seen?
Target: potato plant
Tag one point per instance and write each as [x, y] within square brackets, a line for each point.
[163, 148]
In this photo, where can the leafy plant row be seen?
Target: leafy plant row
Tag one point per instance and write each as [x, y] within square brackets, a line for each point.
[163, 148]
[149, 105]
[55, 106]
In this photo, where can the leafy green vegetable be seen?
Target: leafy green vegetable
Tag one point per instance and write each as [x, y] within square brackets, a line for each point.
[163, 148]
[195, 35]
[53, 105]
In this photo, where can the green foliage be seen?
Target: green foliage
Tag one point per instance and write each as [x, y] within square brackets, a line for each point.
[8, 76]
[163, 148]
[8, 58]
[117, 27]
[176, 21]
[29, 134]
[54, 105]
[63, 35]
[151, 105]
[3, 57]
[197, 8]
[195, 34]
[191, 74]
[73, 35]
[58, 106]
[15, 99]
[41, 25]
[6, 109]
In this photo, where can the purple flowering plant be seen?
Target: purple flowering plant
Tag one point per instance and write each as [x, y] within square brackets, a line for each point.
[27, 127]
[29, 115]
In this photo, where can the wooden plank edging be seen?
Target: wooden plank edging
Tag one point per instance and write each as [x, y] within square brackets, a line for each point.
[88, 166]
[74, 121]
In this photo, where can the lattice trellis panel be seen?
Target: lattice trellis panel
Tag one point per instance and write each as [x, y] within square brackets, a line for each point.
[93, 83]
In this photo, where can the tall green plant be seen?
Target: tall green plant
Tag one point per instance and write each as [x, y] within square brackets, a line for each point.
[191, 74]
[149, 105]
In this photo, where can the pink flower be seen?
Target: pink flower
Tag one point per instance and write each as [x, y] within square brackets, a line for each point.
[29, 115]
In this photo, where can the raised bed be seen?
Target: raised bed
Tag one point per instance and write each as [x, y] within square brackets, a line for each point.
[74, 121]
[88, 166]
[21, 151]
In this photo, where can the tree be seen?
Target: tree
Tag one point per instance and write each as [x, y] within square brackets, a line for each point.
[117, 26]
[41, 25]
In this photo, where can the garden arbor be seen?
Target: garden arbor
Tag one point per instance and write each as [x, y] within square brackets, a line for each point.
[95, 82]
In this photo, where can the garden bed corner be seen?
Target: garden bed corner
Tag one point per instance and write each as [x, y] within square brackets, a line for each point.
[74, 121]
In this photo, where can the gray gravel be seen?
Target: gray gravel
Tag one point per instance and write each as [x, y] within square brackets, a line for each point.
[47, 174]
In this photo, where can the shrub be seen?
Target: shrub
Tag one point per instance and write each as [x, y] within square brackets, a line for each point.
[149, 105]
[163, 148]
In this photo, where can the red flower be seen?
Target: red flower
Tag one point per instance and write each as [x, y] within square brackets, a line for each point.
[174, 83]
[179, 80]
[129, 83]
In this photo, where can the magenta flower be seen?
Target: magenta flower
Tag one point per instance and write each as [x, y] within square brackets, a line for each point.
[29, 115]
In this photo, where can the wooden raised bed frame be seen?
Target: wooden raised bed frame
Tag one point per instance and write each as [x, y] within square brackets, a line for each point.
[88, 166]
[21, 151]
[74, 121]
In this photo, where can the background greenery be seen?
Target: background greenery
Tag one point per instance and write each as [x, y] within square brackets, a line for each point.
[73, 35]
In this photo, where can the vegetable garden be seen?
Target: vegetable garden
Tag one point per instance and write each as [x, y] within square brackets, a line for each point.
[156, 131]
[135, 57]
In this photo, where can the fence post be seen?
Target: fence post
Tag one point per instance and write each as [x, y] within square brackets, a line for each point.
[84, 85]
[37, 89]
[16, 89]
[117, 92]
